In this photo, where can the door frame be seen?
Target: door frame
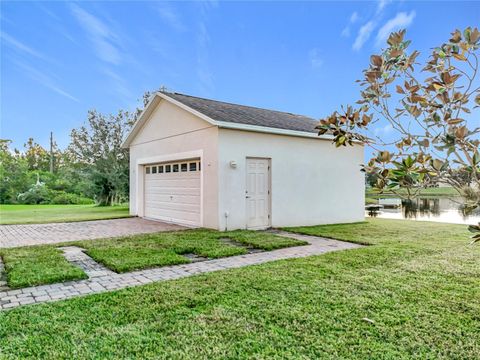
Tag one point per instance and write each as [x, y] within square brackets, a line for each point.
[269, 182]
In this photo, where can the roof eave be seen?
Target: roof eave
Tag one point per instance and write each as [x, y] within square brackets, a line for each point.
[270, 130]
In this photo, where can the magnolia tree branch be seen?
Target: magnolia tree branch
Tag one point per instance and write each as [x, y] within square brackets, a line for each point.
[428, 119]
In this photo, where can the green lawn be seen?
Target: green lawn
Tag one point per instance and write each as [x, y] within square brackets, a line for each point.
[36, 265]
[419, 284]
[152, 250]
[440, 191]
[36, 214]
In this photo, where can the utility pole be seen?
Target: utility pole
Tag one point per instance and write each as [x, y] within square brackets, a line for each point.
[51, 152]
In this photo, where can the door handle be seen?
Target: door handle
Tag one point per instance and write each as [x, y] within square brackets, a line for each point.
[247, 197]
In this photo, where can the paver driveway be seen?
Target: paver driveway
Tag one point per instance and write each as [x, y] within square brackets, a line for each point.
[38, 234]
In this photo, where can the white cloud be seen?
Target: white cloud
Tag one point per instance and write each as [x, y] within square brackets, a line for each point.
[45, 80]
[204, 71]
[363, 35]
[118, 84]
[104, 40]
[383, 130]
[400, 21]
[315, 58]
[382, 4]
[21, 46]
[169, 16]
[204, 74]
[354, 17]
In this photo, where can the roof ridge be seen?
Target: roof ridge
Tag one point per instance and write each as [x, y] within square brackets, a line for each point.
[230, 103]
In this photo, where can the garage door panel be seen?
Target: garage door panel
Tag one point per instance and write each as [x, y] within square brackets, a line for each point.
[177, 198]
[155, 205]
[180, 183]
[173, 197]
[169, 183]
[175, 216]
[169, 190]
[172, 191]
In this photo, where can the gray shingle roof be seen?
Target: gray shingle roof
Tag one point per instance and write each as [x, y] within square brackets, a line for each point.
[241, 114]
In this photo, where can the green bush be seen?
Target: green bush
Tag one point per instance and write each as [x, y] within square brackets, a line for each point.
[63, 198]
[40, 194]
[37, 194]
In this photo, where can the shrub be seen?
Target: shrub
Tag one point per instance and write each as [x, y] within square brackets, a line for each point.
[37, 194]
[63, 198]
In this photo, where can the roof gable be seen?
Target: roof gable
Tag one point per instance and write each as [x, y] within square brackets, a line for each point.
[234, 116]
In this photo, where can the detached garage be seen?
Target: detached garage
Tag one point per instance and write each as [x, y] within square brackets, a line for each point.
[201, 162]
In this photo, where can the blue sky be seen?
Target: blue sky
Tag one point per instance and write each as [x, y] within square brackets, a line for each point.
[60, 59]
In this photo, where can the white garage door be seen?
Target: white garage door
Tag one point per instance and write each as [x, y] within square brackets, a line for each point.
[172, 192]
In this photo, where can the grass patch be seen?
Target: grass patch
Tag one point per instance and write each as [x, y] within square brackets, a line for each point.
[159, 249]
[262, 241]
[371, 201]
[37, 265]
[420, 285]
[440, 191]
[383, 231]
[37, 214]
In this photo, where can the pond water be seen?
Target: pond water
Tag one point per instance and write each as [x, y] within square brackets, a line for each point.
[440, 209]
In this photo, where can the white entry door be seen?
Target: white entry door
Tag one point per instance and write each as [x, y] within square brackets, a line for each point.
[172, 192]
[258, 193]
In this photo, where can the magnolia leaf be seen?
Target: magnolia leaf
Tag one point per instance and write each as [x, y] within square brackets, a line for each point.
[476, 157]
[456, 36]
[437, 164]
[474, 228]
[460, 57]
[376, 60]
[384, 156]
[396, 53]
[461, 132]
[454, 121]
[438, 87]
[474, 36]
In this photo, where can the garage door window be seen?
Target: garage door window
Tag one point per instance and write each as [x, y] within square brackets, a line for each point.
[193, 166]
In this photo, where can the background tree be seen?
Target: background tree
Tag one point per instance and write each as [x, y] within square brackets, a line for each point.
[96, 150]
[13, 173]
[36, 156]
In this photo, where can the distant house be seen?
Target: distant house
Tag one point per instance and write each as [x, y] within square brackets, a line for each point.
[201, 162]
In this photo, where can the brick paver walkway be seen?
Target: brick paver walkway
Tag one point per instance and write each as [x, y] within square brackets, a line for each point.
[317, 245]
[37, 234]
[76, 256]
[3, 277]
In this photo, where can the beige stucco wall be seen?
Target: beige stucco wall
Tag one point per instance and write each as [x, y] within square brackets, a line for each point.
[313, 182]
[172, 133]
